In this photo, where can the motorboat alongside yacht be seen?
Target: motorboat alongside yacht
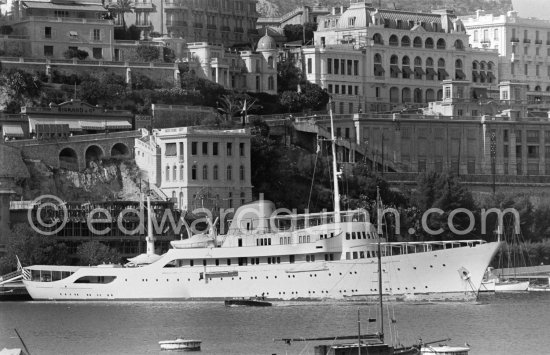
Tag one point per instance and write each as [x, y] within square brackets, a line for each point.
[180, 344]
[250, 302]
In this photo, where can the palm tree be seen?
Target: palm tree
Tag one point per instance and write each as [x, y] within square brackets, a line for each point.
[121, 7]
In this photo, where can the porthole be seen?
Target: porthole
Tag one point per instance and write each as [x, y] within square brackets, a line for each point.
[444, 265]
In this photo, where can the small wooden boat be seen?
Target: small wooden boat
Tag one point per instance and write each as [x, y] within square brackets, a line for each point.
[444, 350]
[180, 344]
[250, 302]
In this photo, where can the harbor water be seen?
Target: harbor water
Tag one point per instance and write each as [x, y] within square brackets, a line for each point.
[496, 324]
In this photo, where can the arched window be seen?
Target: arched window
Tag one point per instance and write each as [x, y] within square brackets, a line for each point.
[215, 172]
[406, 69]
[174, 173]
[441, 44]
[377, 58]
[490, 66]
[377, 38]
[405, 41]
[406, 95]
[482, 65]
[430, 95]
[394, 41]
[441, 63]
[167, 173]
[181, 172]
[194, 172]
[475, 65]
[242, 199]
[417, 62]
[429, 43]
[270, 62]
[394, 60]
[270, 83]
[205, 172]
[458, 64]
[459, 45]
[229, 173]
[417, 43]
[429, 62]
[418, 95]
[538, 88]
[241, 172]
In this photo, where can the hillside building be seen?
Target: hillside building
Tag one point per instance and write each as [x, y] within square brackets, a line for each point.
[373, 59]
[198, 167]
[523, 45]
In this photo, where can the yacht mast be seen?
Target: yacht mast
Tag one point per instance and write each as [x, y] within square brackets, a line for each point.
[150, 239]
[379, 211]
[337, 217]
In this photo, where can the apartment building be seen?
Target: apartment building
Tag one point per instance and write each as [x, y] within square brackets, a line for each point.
[373, 59]
[214, 21]
[523, 45]
[198, 167]
[50, 28]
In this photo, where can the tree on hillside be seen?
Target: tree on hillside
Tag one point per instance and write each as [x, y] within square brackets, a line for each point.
[18, 88]
[120, 8]
[75, 53]
[147, 53]
[32, 249]
[296, 32]
[95, 253]
[289, 76]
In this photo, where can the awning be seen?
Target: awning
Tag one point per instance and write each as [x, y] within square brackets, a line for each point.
[10, 130]
[73, 33]
[460, 74]
[378, 69]
[407, 70]
[395, 69]
[430, 71]
[491, 76]
[94, 125]
[419, 71]
[443, 73]
[483, 75]
[118, 125]
[475, 75]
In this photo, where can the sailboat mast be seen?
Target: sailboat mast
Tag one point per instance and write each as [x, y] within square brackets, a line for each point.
[150, 237]
[337, 216]
[358, 332]
[378, 210]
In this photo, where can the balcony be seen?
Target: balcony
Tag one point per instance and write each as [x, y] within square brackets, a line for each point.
[239, 29]
[514, 40]
[143, 6]
[226, 29]
[211, 27]
[197, 25]
[526, 40]
[143, 24]
[538, 41]
[176, 23]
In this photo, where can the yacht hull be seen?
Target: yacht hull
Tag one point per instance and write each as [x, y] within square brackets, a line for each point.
[453, 273]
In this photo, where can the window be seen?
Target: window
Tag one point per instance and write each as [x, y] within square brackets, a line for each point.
[350, 66]
[47, 32]
[48, 51]
[215, 148]
[241, 173]
[526, 69]
[194, 146]
[355, 67]
[215, 172]
[495, 36]
[229, 173]
[174, 175]
[167, 173]
[329, 66]
[330, 88]
[205, 148]
[229, 148]
[205, 172]
[170, 150]
[194, 172]
[97, 53]
[241, 149]
[97, 34]
[309, 66]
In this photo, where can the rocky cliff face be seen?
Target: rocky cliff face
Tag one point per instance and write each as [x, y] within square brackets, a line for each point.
[111, 180]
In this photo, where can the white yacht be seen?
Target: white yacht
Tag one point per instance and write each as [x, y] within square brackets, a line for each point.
[316, 256]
